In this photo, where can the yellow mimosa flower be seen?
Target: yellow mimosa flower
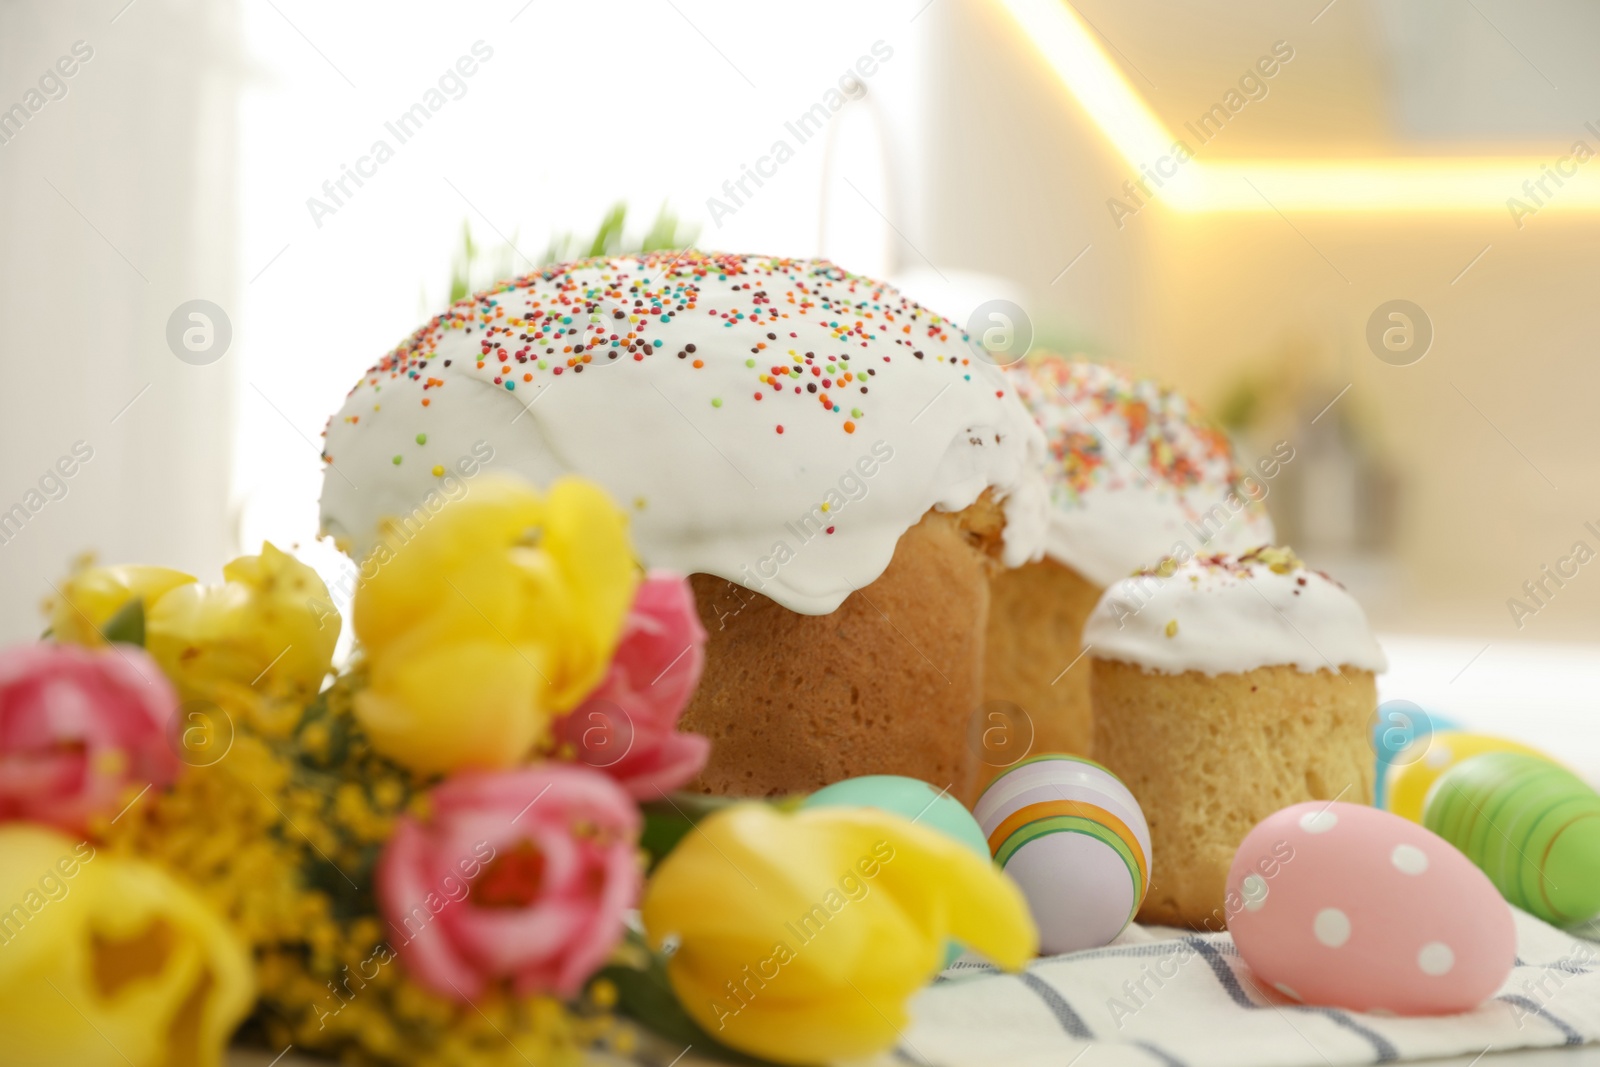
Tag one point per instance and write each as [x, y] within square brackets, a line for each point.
[262, 627]
[498, 613]
[800, 937]
[107, 960]
[93, 595]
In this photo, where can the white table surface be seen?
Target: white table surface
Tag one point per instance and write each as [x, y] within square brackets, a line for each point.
[1545, 695]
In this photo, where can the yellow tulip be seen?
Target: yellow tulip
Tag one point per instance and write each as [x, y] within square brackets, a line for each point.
[499, 612]
[262, 627]
[802, 936]
[106, 960]
[463, 704]
[93, 595]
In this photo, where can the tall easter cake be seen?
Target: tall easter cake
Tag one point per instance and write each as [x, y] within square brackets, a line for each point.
[829, 461]
[1226, 688]
[1135, 471]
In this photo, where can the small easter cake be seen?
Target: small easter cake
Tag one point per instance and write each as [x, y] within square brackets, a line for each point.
[1226, 688]
[1135, 473]
[830, 462]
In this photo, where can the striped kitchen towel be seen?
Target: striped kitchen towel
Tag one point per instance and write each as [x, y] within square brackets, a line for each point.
[1159, 997]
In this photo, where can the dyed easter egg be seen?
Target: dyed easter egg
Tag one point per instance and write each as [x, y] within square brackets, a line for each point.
[1533, 827]
[1401, 733]
[1074, 839]
[1408, 783]
[1346, 906]
[911, 797]
[917, 801]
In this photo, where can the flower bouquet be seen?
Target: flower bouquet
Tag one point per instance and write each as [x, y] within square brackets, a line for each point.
[464, 847]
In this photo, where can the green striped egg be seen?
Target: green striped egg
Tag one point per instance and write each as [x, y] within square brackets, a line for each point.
[1531, 826]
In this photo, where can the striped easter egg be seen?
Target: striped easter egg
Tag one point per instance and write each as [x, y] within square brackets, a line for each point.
[1533, 827]
[1410, 777]
[1075, 841]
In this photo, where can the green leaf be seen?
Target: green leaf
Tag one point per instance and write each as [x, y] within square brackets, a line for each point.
[609, 236]
[668, 821]
[665, 233]
[474, 267]
[126, 627]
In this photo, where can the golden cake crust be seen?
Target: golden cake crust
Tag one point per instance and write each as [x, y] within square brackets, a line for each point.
[1036, 617]
[883, 685]
[1208, 757]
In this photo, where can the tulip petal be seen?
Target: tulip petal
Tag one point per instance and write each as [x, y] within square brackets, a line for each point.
[547, 921]
[952, 893]
[619, 892]
[670, 764]
[110, 960]
[269, 625]
[405, 879]
[91, 597]
[440, 557]
[628, 726]
[466, 705]
[551, 576]
[825, 923]
[586, 537]
[78, 727]
[501, 940]
[662, 651]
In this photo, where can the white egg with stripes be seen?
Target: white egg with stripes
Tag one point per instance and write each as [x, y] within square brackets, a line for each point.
[1074, 839]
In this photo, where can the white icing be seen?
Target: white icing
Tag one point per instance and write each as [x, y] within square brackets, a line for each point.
[711, 489]
[1232, 616]
[1135, 471]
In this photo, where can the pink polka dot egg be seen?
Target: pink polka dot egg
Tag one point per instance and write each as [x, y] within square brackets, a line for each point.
[1342, 905]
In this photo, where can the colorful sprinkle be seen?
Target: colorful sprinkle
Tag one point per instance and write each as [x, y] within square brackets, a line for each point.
[1095, 416]
[570, 316]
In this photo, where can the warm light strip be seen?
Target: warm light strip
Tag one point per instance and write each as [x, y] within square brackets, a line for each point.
[1072, 51]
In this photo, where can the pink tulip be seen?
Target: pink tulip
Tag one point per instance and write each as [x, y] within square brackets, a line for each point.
[79, 729]
[521, 875]
[628, 726]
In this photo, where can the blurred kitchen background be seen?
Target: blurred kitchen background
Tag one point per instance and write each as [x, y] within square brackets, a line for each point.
[1229, 194]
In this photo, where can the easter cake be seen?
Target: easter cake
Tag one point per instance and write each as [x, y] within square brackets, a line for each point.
[830, 462]
[1226, 688]
[1134, 472]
